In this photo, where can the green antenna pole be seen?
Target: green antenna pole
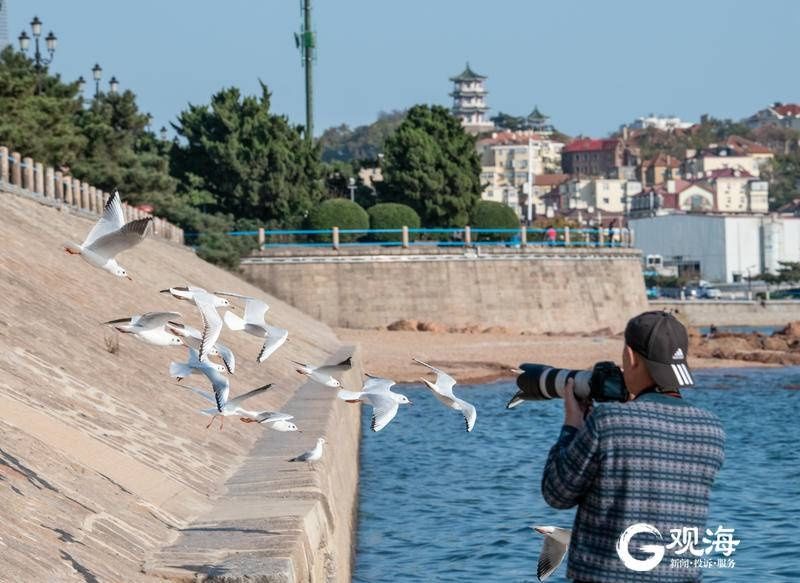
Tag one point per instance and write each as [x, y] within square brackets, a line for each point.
[308, 47]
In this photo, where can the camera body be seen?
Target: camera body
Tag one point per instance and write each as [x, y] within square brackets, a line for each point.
[604, 382]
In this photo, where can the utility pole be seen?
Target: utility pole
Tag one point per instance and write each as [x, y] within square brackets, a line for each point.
[530, 183]
[306, 42]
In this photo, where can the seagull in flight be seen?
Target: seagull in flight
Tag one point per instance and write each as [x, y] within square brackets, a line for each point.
[109, 237]
[149, 328]
[324, 374]
[376, 392]
[556, 542]
[253, 323]
[230, 407]
[193, 337]
[212, 370]
[190, 293]
[207, 305]
[442, 389]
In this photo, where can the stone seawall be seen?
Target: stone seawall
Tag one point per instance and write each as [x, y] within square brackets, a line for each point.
[733, 312]
[538, 290]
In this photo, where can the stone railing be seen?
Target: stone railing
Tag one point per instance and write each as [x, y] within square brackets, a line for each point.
[26, 177]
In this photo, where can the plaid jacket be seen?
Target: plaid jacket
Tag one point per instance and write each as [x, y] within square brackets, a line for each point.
[651, 460]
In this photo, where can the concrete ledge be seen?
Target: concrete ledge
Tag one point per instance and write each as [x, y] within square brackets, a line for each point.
[278, 521]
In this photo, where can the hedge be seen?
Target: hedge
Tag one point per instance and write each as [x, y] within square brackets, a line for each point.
[488, 214]
[338, 212]
[392, 215]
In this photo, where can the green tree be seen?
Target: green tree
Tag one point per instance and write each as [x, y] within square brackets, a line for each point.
[239, 158]
[430, 164]
[783, 175]
[489, 214]
[38, 124]
[120, 152]
[338, 212]
[391, 215]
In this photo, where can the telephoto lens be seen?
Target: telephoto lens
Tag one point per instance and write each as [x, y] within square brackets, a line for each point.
[540, 381]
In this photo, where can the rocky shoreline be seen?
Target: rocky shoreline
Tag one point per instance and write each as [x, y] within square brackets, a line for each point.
[780, 348]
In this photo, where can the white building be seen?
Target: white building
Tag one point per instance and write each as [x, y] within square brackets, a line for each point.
[663, 123]
[720, 248]
[610, 195]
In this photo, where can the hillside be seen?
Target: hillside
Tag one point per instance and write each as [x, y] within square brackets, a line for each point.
[103, 458]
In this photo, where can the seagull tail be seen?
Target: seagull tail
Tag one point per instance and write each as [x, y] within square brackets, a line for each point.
[234, 322]
[179, 370]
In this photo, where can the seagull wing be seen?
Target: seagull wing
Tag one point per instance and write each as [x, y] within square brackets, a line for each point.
[443, 380]
[469, 411]
[550, 558]
[206, 395]
[112, 220]
[272, 416]
[227, 356]
[152, 320]
[377, 384]
[109, 245]
[333, 369]
[274, 340]
[212, 324]
[236, 401]
[384, 408]
[222, 387]
[254, 309]
[345, 395]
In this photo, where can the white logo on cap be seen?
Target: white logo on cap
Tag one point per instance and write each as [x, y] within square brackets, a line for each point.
[678, 355]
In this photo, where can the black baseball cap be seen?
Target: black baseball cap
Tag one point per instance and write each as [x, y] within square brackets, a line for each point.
[663, 343]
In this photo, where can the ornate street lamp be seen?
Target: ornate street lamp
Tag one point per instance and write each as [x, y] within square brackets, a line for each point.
[40, 61]
[113, 85]
[97, 74]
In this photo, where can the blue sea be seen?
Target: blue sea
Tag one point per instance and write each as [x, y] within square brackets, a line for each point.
[439, 504]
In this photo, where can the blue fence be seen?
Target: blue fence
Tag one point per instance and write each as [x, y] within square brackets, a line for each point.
[466, 237]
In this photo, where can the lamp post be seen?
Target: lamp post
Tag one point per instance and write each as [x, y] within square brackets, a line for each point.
[39, 60]
[163, 132]
[97, 74]
[352, 187]
[113, 85]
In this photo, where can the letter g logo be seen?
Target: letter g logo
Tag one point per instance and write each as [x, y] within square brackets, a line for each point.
[632, 562]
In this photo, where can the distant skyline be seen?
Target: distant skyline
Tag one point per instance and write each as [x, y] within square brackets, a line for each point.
[590, 66]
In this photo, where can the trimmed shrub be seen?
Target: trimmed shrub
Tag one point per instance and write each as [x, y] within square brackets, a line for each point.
[392, 215]
[488, 214]
[338, 212]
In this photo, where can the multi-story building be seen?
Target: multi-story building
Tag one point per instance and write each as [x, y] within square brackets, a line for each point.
[504, 165]
[736, 154]
[663, 123]
[785, 115]
[659, 169]
[469, 101]
[609, 195]
[591, 157]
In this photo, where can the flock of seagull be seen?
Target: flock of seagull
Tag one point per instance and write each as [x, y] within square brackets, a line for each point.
[111, 235]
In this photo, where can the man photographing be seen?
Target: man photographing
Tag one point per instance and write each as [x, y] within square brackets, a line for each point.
[651, 459]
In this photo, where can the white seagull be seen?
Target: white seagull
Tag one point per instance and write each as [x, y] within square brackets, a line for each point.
[253, 323]
[212, 370]
[376, 392]
[110, 236]
[193, 337]
[275, 420]
[230, 407]
[312, 455]
[149, 328]
[442, 389]
[556, 542]
[190, 293]
[207, 305]
[324, 374]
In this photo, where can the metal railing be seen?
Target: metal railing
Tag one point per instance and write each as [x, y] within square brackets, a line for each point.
[406, 237]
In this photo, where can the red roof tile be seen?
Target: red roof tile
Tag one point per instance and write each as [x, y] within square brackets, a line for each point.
[550, 179]
[790, 109]
[729, 173]
[663, 159]
[746, 146]
[590, 145]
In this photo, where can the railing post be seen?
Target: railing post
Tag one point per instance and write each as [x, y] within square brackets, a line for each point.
[566, 236]
[467, 236]
[631, 237]
[85, 196]
[93, 200]
[49, 183]
[335, 237]
[405, 237]
[27, 175]
[76, 193]
[38, 178]
[59, 186]
[4, 165]
[262, 238]
[600, 236]
[68, 197]
[100, 198]
[523, 236]
[16, 169]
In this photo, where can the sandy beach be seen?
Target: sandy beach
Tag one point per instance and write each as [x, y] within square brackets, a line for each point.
[488, 356]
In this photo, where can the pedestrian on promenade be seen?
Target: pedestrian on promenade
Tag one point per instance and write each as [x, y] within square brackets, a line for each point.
[551, 235]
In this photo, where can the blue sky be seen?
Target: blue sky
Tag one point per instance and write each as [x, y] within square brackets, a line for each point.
[590, 65]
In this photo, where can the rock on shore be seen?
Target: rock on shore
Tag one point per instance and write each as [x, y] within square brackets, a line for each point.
[781, 348]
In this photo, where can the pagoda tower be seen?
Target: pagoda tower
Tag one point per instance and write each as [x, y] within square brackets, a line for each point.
[469, 101]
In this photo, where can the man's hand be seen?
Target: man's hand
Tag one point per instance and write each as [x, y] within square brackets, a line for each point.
[574, 410]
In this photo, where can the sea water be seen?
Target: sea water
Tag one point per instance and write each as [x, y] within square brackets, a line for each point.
[440, 504]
